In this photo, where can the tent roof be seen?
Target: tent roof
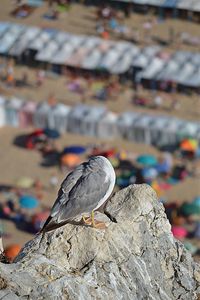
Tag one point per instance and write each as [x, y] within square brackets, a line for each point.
[170, 3]
[155, 2]
[153, 68]
[79, 110]
[61, 55]
[110, 117]
[40, 40]
[22, 43]
[95, 113]
[196, 6]
[127, 118]
[168, 70]
[194, 80]
[144, 121]
[43, 107]
[182, 56]
[140, 60]
[61, 109]
[4, 26]
[9, 38]
[185, 4]
[92, 60]
[109, 59]
[14, 103]
[2, 100]
[123, 64]
[184, 73]
[160, 122]
[46, 53]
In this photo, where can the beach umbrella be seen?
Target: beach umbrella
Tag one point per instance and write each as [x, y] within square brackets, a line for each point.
[76, 149]
[108, 153]
[188, 209]
[163, 167]
[196, 201]
[190, 145]
[149, 173]
[12, 251]
[147, 160]
[24, 182]
[51, 133]
[179, 232]
[28, 202]
[37, 132]
[70, 160]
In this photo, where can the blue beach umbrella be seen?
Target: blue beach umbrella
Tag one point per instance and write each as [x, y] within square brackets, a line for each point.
[28, 202]
[147, 160]
[51, 133]
[75, 149]
[163, 167]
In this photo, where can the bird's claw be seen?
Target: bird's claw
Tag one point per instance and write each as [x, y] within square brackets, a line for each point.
[87, 220]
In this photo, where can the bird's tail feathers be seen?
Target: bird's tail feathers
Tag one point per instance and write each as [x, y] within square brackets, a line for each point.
[50, 225]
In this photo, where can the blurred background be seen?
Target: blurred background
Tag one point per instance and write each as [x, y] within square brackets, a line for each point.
[115, 78]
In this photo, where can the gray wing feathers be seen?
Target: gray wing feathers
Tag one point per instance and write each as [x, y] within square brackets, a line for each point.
[66, 186]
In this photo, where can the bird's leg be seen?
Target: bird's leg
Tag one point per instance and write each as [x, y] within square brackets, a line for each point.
[87, 220]
[97, 224]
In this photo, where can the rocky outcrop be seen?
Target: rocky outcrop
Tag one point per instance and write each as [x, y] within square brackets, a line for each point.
[135, 257]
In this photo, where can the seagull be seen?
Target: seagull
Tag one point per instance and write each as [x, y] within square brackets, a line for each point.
[83, 191]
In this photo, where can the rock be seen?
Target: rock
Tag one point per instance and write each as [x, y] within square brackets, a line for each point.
[135, 258]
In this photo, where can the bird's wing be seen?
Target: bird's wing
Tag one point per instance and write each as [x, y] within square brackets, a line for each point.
[67, 185]
[85, 195]
[62, 197]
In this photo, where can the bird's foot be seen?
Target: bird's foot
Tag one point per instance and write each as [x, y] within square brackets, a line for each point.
[99, 225]
[87, 220]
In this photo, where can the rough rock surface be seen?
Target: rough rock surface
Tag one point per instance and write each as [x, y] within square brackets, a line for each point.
[135, 258]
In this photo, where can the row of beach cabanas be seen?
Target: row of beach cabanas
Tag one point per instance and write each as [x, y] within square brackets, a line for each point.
[97, 121]
[60, 48]
[186, 5]
[57, 48]
[181, 67]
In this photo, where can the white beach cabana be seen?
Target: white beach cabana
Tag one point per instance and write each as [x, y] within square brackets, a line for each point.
[58, 117]
[76, 116]
[13, 107]
[91, 120]
[26, 114]
[2, 111]
[107, 126]
[151, 71]
[125, 122]
[10, 37]
[22, 43]
[141, 129]
[41, 115]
